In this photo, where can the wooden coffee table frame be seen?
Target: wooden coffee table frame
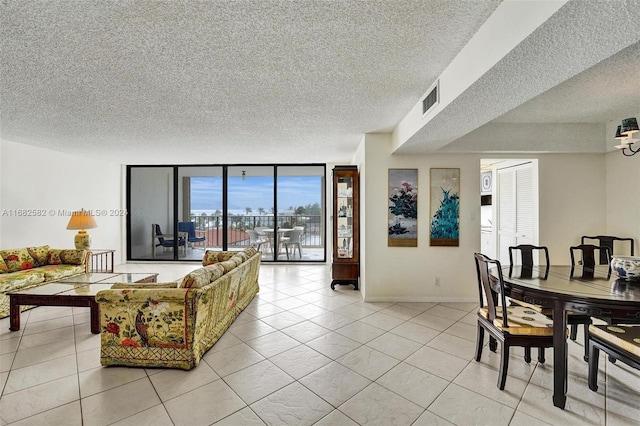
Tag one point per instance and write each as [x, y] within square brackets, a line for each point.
[60, 299]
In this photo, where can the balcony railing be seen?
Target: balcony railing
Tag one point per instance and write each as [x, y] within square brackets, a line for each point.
[211, 227]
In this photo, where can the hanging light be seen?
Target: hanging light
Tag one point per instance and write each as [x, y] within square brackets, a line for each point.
[624, 134]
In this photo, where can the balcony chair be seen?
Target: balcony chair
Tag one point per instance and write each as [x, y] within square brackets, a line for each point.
[512, 325]
[158, 239]
[526, 255]
[293, 240]
[190, 229]
[255, 240]
[618, 341]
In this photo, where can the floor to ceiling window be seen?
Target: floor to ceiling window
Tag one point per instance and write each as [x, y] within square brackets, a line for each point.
[178, 212]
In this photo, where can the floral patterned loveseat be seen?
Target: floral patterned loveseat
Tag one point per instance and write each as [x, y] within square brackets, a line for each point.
[32, 266]
[172, 325]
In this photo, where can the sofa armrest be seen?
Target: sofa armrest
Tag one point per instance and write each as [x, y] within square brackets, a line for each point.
[145, 318]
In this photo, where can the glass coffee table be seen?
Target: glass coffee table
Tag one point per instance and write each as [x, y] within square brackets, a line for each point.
[77, 290]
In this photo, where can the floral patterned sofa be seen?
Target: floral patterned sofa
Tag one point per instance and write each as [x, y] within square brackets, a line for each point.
[32, 266]
[172, 325]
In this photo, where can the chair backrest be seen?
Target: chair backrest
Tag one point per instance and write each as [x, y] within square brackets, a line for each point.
[155, 230]
[294, 235]
[608, 241]
[526, 256]
[253, 236]
[188, 227]
[588, 259]
[491, 293]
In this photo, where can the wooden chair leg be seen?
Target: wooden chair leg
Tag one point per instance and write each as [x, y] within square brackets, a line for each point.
[479, 342]
[493, 344]
[594, 354]
[504, 365]
[527, 354]
[541, 355]
[586, 342]
[574, 332]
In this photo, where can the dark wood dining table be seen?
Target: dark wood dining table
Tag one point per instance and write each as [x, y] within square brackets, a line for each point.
[594, 294]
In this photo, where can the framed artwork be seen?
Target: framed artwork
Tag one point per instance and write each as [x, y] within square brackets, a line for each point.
[403, 208]
[445, 207]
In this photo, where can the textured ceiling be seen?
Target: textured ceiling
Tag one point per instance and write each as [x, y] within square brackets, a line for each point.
[580, 67]
[221, 81]
[198, 82]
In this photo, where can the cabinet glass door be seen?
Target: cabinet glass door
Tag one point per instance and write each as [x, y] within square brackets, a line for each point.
[345, 217]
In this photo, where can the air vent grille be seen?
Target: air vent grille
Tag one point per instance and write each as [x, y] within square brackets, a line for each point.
[431, 99]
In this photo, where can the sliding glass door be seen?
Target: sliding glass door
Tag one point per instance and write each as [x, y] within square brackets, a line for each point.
[178, 212]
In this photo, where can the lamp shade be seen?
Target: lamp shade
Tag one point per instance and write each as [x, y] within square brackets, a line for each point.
[629, 126]
[82, 220]
[618, 134]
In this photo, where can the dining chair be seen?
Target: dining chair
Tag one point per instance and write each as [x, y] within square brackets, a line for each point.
[255, 240]
[509, 325]
[163, 241]
[606, 251]
[526, 256]
[618, 341]
[293, 240]
[526, 252]
[588, 259]
[608, 241]
[190, 229]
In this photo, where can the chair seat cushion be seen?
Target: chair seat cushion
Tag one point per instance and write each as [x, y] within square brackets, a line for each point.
[522, 320]
[626, 337]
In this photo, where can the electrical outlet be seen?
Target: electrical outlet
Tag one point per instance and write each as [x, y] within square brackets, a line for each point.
[437, 281]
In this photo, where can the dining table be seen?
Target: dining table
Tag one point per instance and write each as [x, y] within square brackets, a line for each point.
[596, 293]
[269, 233]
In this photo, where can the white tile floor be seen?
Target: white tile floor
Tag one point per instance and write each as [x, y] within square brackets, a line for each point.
[300, 354]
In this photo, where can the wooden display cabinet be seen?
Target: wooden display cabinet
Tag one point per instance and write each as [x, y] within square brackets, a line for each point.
[345, 267]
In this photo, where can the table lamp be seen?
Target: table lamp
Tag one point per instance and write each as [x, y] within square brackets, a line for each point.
[82, 220]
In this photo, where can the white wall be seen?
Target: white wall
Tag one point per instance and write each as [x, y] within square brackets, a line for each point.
[573, 201]
[623, 196]
[49, 181]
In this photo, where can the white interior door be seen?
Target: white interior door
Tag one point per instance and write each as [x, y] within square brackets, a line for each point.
[517, 207]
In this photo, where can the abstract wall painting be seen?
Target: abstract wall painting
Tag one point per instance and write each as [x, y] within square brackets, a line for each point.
[445, 207]
[403, 208]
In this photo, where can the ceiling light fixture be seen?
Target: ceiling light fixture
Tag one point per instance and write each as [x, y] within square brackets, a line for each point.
[624, 133]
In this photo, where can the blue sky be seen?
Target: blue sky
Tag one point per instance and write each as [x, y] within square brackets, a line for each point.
[255, 192]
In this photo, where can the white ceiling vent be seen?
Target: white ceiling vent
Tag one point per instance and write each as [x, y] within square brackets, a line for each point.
[431, 99]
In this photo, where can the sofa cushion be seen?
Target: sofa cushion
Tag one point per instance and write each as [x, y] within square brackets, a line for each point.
[228, 265]
[196, 279]
[3, 266]
[55, 272]
[210, 257]
[17, 259]
[20, 279]
[250, 251]
[39, 254]
[243, 256]
[68, 256]
[215, 271]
